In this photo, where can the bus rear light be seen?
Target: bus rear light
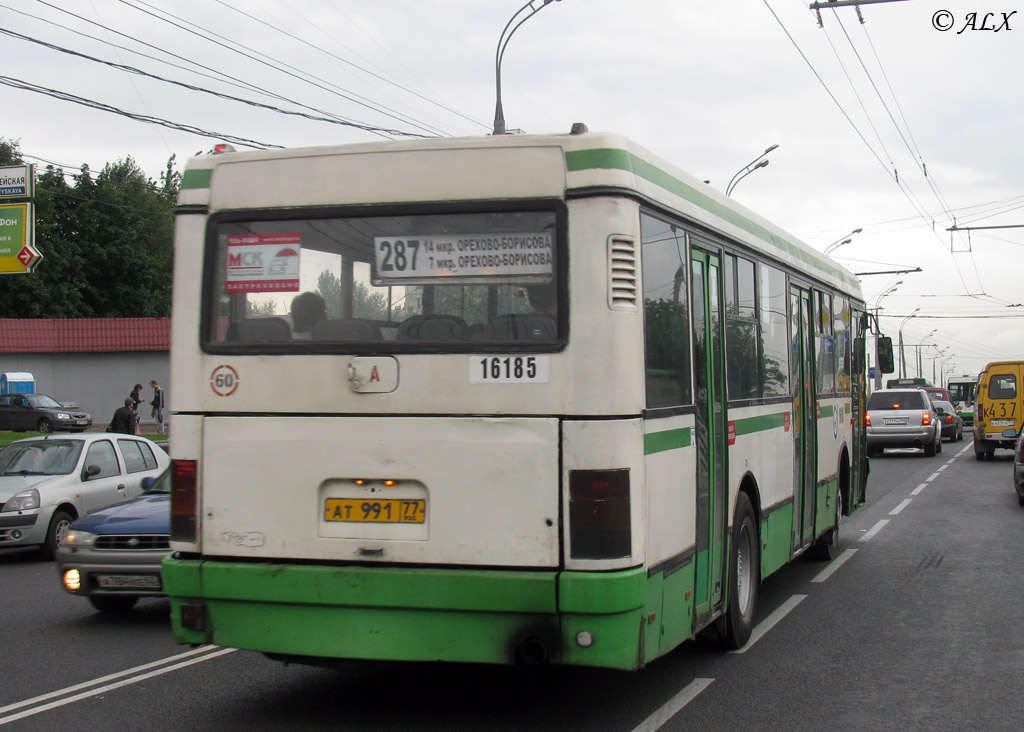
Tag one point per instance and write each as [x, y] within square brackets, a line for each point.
[184, 499]
[599, 526]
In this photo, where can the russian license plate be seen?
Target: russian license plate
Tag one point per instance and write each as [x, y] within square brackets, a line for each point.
[81, 421]
[1003, 423]
[376, 511]
[128, 581]
[896, 420]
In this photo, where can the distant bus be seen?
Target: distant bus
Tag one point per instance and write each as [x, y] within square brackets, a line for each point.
[548, 399]
[897, 383]
[964, 390]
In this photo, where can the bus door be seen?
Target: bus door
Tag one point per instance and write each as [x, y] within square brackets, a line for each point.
[858, 384]
[805, 416]
[709, 432]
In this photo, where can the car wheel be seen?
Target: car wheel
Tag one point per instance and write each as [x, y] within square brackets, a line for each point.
[109, 604]
[45, 426]
[58, 529]
[744, 576]
[930, 450]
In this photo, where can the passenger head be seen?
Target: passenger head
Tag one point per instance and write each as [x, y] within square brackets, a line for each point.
[308, 309]
[128, 402]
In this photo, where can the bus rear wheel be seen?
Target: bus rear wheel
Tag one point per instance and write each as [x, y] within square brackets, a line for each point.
[744, 576]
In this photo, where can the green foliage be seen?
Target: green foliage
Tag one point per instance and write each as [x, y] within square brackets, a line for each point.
[107, 243]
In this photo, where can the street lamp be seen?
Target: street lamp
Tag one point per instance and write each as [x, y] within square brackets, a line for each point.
[903, 360]
[499, 53]
[920, 345]
[845, 240]
[878, 333]
[749, 168]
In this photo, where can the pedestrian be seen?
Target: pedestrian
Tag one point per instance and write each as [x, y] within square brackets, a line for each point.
[158, 404]
[125, 420]
[136, 396]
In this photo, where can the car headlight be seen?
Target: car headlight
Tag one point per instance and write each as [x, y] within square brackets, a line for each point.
[63, 415]
[23, 501]
[77, 538]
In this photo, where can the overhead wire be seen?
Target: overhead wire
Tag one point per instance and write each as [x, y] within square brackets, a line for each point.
[192, 87]
[68, 97]
[220, 75]
[284, 68]
[345, 61]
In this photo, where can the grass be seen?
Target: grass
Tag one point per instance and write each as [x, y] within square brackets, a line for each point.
[7, 438]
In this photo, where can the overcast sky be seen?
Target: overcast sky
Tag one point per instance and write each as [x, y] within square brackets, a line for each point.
[892, 126]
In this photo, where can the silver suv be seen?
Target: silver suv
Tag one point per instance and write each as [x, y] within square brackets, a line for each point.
[903, 418]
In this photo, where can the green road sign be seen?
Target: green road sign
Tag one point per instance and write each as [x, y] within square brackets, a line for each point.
[17, 253]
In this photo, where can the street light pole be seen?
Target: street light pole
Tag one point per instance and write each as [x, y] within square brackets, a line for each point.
[903, 359]
[878, 332]
[499, 53]
[749, 168]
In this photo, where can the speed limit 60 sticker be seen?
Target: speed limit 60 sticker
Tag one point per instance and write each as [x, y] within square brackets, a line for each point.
[224, 380]
[508, 369]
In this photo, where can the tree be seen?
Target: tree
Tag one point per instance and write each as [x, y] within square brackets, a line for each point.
[107, 242]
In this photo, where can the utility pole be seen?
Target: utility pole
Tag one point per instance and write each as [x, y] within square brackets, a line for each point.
[818, 6]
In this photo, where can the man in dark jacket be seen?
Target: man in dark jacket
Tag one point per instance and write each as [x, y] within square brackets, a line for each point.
[125, 418]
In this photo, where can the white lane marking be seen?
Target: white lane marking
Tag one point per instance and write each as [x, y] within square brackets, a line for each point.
[670, 708]
[874, 530]
[834, 565]
[918, 490]
[902, 504]
[771, 621]
[939, 470]
[94, 690]
[931, 477]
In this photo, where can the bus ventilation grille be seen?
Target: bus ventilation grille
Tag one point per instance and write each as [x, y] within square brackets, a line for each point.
[622, 273]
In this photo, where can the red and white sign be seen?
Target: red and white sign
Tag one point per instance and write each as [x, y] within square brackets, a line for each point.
[224, 380]
[263, 263]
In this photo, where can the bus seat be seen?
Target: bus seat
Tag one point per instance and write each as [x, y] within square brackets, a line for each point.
[433, 328]
[259, 330]
[346, 330]
[525, 327]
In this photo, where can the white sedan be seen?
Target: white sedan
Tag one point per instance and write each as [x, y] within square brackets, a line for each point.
[48, 482]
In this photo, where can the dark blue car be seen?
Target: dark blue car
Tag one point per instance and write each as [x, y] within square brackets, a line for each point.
[113, 556]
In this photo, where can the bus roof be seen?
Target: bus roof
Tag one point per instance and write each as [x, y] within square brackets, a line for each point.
[589, 163]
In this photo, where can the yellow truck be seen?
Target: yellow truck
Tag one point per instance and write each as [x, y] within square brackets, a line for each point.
[998, 409]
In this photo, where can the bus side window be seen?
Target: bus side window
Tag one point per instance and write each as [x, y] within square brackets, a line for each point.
[666, 315]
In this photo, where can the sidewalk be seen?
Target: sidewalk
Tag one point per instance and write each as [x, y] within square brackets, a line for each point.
[146, 430]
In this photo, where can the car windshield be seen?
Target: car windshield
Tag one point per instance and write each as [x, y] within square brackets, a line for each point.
[41, 401]
[896, 400]
[162, 484]
[40, 457]
[944, 406]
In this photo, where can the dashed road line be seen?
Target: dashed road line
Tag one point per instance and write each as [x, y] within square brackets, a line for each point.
[97, 686]
[672, 707]
[834, 565]
[770, 622]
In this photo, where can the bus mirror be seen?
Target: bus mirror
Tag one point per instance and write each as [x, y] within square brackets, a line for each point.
[885, 360]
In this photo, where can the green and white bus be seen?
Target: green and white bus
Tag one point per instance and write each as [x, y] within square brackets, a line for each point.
[550, 400]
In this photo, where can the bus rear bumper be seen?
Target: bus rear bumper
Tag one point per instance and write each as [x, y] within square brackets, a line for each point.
[408, 614]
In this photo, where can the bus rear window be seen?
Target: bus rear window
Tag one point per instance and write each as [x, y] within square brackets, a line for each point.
[380, 283]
